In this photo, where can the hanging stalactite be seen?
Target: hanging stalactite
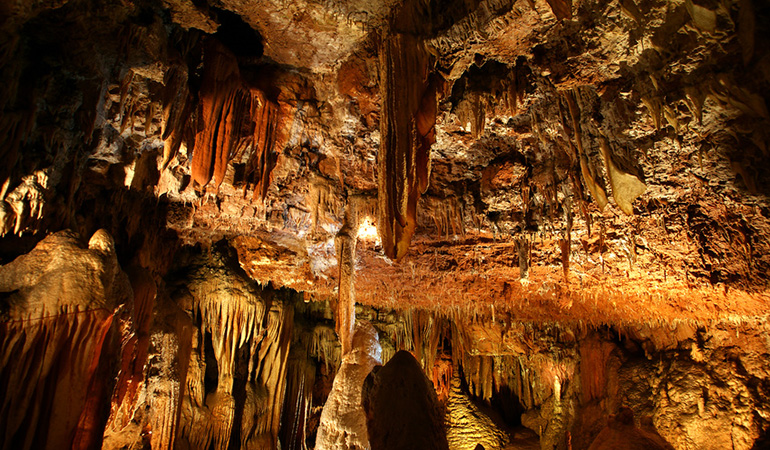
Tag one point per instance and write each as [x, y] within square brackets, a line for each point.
[408, 131]
[226, 103]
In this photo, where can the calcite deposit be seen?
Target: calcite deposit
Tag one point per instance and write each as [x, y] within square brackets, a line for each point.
[218, 219]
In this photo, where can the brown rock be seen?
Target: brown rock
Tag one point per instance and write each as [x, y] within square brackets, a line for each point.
[401, 407]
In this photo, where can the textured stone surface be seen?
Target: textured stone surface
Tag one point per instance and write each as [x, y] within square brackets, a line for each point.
[561, 204]
[59, 303]
[401, 407]
[343, 421]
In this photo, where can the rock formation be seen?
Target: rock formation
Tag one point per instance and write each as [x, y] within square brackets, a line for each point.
[59, 305]
[401, 407]
[343, 421]
[558, 207]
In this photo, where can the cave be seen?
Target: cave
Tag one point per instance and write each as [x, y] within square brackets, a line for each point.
[384, 224]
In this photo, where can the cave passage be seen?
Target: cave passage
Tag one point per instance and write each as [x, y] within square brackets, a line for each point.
[384, 224]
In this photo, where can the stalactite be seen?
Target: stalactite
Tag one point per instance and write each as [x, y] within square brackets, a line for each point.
[345, 312]
[222, 109]
[472, 110]
[565, 243]
[324, 202]
[562, 9]
[655, 109]
[324, 346]
[594, 357]
[625, 187]
[425, 330]
[170, 370]
[587, 169]
[407, 128]
[442, 374]
[226, 102]
[695, 97]
[523, 245]
[239, 322]
[262, 161]
[270, 373]
[177, 108]
[299, 401]
[60, 353]
[446, 215]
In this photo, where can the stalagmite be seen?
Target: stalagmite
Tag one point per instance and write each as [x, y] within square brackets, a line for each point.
[402, 411]
[58, 311]
[468, 426]
[343, 423]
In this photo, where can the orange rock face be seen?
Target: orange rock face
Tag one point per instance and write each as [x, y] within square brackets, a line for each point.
[227, 107]
[59, 311]
[561, 209]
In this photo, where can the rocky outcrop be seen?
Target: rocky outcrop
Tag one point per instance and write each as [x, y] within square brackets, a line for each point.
[59, 316]
[401, 407]
[621, 433]
[237, 373]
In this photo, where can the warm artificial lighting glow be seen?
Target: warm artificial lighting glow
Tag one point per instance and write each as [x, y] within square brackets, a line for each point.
[367, 231]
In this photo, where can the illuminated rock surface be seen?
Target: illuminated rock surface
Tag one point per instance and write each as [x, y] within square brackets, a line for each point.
[343, 421]
[560, 208]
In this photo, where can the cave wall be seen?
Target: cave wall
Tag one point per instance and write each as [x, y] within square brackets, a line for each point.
[612, 139]
[206, 358]
[576, 194]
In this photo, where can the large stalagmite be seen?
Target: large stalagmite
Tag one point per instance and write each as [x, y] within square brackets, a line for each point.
[59, 304]
[343, 422]
[402, 411]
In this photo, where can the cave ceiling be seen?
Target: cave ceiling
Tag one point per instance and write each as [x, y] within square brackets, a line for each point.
[559, 152]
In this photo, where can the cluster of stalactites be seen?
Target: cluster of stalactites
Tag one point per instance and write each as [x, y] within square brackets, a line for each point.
[407, 128]
[235, 320]
[233, 323]
[228, 110]
[626, 187]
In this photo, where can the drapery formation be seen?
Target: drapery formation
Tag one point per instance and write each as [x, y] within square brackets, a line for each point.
[229, 109]
[407, 128]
